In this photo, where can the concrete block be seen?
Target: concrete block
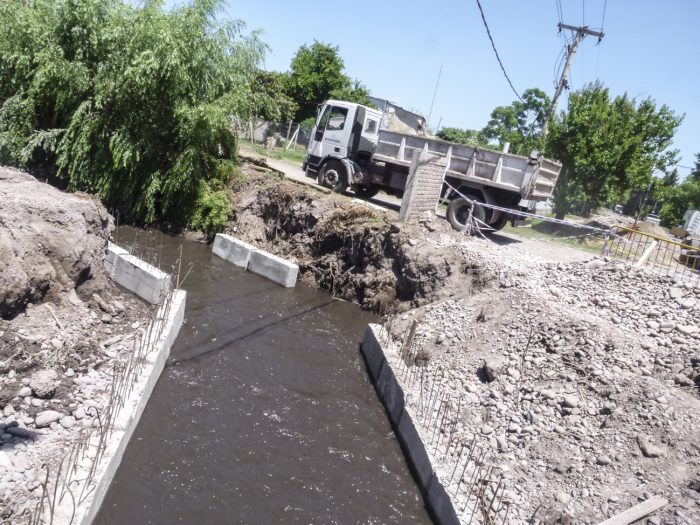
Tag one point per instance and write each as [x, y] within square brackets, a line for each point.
[414, 450]
[232, 249]
[390, 393]
[112, 255]
[372, 352]
[274, 268]
[439, 504]
[141, 278]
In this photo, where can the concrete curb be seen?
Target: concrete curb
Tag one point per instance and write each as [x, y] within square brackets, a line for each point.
[377, 358]
[137, 276]
[242, 254]
[128, 417]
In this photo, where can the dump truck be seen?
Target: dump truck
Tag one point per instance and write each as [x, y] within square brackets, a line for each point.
[350, 146]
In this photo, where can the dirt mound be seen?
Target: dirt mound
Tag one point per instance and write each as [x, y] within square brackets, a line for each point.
[351, 250]
[49, 240]
[652, 229]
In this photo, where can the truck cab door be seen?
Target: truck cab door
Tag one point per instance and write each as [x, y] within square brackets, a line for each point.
[331, 134]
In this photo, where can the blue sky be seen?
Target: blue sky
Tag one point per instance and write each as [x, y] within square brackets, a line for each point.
[396, 48]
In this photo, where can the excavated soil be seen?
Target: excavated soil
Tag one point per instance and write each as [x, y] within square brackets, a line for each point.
[350, 249]
[63, 326]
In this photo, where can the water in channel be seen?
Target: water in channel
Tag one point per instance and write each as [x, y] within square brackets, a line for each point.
[264, 413]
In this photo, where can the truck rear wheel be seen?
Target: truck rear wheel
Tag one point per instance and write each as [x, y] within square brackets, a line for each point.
[333, 175]
[366, 192]
[459, 209]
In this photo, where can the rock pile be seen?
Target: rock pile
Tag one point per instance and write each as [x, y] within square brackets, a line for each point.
[580, 378]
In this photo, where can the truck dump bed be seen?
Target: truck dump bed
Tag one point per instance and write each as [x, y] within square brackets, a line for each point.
[532, 177]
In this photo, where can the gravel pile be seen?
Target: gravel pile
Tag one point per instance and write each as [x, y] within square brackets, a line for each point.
[579, 379]
[58, 361]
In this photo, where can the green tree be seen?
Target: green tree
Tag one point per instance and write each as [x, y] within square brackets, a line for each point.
[462, 136]
[317, 74]
[685, 196]
[271, 101]
[608, 146]
[519, 124]
[132, 103]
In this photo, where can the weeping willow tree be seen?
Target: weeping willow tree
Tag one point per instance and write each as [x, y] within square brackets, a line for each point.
[130, 102]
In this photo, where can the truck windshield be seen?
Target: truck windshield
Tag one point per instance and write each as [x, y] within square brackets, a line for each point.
[336, 119]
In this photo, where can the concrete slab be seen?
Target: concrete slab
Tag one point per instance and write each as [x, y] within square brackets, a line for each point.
[274, 268]
[141, 278]
[232, 249]
[112, 256]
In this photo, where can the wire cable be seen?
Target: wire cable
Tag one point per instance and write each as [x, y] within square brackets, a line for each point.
[488, 32]
[602, 24]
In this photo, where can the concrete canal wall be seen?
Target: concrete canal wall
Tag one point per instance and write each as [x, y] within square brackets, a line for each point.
[376, 352]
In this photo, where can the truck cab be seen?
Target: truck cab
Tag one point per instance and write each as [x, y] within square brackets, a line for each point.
[342, 142]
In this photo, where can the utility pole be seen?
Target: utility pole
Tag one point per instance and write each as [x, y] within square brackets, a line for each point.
[581, 33]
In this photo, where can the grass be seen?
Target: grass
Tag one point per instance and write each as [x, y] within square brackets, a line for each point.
[590, 243]
[292, 155]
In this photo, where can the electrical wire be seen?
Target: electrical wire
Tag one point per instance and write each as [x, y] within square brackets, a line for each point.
[605, 7]
[488, 32]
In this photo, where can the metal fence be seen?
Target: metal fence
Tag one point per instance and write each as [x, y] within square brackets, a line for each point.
[659, 255]
[286, 135]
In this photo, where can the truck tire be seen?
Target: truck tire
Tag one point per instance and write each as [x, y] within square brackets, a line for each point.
[366, 192]
[333, 176]
[458, 210]
[500, 223]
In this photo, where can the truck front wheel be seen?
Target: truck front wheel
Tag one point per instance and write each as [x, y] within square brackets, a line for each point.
[459, 209]
[333, 175]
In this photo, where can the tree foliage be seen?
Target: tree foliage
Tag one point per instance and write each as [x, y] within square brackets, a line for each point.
[685, 196]
[130, 103]
[462, 136]
[317, 74]
[519, 124]
[608, 146]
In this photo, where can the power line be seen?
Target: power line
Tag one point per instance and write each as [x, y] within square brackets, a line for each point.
[488, 32]
[602, 24]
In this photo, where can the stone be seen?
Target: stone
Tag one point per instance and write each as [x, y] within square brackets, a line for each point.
[5, 461]
[67, 421]
[556, 292]
[37, 402]
[648, 448]
[492, 367]
[675, 293]
[45, 418]
[603, 460]
[570, 401]
[70, 372]
[25, 391]
[486, 430]
[8, 410]
[562, 497]
[501, 443]
[43, 383]
[683, 380]
[687, 329]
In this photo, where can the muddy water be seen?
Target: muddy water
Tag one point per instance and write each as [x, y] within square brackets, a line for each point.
[264, 414]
